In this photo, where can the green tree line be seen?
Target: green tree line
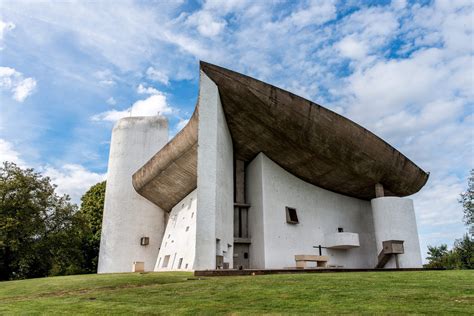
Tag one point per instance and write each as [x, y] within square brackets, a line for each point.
[461, 256]
[43, 233]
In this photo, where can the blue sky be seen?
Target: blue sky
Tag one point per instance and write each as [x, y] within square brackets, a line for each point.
[402, 69]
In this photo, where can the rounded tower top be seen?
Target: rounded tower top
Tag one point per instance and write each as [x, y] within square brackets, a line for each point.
[158, 121]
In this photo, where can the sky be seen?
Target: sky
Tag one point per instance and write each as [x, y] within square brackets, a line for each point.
[404, 70]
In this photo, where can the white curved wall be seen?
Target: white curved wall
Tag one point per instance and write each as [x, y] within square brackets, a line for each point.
[394, 219]
[275, 243]
[127, 215]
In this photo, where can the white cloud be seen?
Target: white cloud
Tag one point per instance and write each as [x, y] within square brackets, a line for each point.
[14, 82]
[156, 104]
[111, 101]
[402, 70]
[156, 75]
[106, 77]
[4, 28]
[207, 24]
[73, 179]
[141, 89]
[437, 204]
[317, 12]
[8, 153]
[352, 48]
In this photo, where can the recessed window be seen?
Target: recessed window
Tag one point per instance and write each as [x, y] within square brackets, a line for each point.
[340, 230]
[187, 228]
[291, 216]
[144, 241]
[180, 262]
[192, 214]
[186, 266]
[166, 261]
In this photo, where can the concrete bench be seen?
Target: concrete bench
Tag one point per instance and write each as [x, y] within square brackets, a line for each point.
[301, 261]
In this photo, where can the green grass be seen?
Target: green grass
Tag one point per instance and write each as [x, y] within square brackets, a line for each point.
[421, 292]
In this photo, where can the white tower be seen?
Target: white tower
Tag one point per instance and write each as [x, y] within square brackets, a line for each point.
[128, 217]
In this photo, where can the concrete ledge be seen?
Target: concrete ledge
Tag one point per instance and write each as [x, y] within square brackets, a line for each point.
[211, 273]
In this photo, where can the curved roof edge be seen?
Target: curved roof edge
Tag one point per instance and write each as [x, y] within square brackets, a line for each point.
[313, 143]
[171, 174]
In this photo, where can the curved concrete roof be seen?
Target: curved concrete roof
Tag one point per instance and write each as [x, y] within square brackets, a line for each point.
[308, 140]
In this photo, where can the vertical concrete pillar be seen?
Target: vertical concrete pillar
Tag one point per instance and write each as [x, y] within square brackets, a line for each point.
[239, 181]
[379, 192]
[215, 181]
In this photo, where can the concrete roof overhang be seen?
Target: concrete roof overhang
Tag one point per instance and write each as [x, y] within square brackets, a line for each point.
[311, 142]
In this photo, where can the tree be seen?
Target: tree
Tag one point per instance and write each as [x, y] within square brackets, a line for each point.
[467, 200]
[39, 232]
[464, 249]
[92, 207]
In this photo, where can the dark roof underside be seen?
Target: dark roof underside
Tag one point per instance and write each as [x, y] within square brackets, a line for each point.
[308, 140]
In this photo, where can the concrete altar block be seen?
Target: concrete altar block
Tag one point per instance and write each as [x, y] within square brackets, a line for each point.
[301, 260]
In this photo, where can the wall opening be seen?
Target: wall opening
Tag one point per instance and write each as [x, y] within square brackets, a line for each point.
[291, 215]
[166, 260]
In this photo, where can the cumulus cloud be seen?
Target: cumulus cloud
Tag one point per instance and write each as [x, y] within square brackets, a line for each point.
[155, 104]
[402, 70]
[317, 12]
[352, 48]
[8, 153]
[207, 24]
[72, 179]
[157, 75]
[14, 82]
[141, 89]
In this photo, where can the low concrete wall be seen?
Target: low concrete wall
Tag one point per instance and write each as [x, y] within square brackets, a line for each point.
[319, 211]
[394, 219]
[127, 215]
[179, 240]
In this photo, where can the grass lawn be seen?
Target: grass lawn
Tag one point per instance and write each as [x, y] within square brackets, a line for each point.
[422, 292]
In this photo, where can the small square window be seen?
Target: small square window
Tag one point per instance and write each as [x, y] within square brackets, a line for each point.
[340, 230]
[144, 241]
[291, 216]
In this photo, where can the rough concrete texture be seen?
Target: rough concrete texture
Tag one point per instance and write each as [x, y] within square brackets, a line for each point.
[127, 215]
[179, 240]
[320, 212]
[310, 141]
[394, 219]
[172, 172]
[306, 139]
